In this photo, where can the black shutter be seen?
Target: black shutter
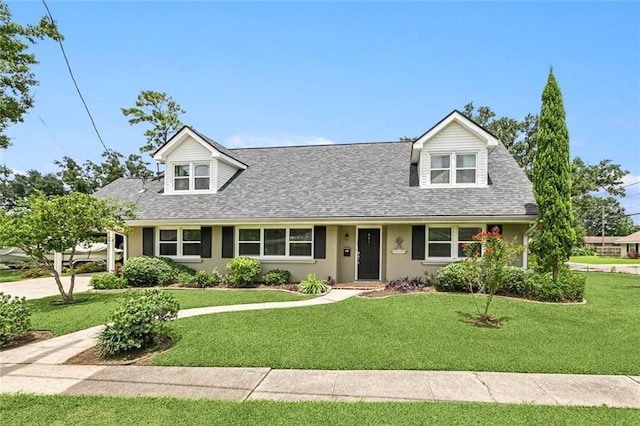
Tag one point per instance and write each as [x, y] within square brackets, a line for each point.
[319, 242]
[491, 226]
[227, 242]
[147, 241]
[417, 242]
[205, 242]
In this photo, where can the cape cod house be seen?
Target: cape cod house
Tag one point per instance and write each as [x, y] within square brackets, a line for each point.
[362, 211]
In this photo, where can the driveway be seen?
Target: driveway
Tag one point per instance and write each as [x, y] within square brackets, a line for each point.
[41, 287]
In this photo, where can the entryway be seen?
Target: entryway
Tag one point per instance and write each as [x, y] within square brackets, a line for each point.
[368, 254]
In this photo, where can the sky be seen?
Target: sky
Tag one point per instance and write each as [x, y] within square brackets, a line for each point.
[293, 73]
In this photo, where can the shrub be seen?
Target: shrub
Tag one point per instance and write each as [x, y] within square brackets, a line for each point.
[87, 267]
[200, 280]
[243, 271]
[107, 281]
[454, 277]
[406, 285]
[633, 254]
[217, 278]
[312, 285]
[15, 317]
[138, 322]
[36, 272]
[277, 277]
[515, 281]
[569, 286]
[583, 251]
[147, 271]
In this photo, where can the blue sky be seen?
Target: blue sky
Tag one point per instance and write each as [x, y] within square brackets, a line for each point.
[257, 74]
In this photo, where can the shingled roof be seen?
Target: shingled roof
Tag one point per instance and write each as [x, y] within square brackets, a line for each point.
[368, 180]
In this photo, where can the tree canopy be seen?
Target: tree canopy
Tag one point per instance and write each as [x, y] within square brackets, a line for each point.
[16, 77]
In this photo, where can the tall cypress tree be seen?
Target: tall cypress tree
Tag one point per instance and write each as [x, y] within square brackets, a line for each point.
[554, 236]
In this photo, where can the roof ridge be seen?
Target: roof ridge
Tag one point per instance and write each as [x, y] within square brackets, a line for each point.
[320, 145]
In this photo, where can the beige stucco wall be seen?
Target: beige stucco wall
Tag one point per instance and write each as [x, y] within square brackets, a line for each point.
[400, 264]
[134, 242]
[517, 231]
[346, 265]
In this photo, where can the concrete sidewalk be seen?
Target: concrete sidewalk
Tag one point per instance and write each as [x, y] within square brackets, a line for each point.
[46, 286]
[240, 384]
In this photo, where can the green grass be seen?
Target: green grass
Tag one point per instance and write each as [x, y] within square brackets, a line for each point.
[95, 410]
[426, 332]
[10, 275]
[597, 260]
[95, 310]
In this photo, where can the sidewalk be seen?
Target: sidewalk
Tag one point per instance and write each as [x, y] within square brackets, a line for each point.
[38, 368]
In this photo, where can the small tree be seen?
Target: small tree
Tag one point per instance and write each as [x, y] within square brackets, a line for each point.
[41, 226]
[554, 236]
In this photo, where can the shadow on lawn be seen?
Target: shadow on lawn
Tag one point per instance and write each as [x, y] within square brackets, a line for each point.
[468, 318]
[54, 303]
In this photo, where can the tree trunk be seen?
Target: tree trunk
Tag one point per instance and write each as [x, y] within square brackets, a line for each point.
[65, 298]
[72, 272]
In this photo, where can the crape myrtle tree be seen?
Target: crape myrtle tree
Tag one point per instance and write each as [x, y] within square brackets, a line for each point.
[16, 77]
[554, 236]
[41, 225]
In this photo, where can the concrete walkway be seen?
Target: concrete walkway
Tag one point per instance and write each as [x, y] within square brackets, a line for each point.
[38, 368]
[42, 287]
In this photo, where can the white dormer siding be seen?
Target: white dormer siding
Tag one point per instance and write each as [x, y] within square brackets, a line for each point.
[454, 141]
[193, 165]
[454, 153]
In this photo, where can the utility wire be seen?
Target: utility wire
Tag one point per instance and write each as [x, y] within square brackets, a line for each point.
[75, 83]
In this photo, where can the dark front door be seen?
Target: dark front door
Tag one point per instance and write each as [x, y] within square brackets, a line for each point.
[369, 254]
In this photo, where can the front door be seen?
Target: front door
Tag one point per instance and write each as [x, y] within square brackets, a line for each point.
[369, 254]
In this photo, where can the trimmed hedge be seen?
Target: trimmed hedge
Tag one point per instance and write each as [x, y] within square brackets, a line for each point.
[107, 281]
[148, 271]
[243, 271]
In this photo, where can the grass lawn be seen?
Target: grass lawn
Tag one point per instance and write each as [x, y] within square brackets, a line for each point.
[597, 260]
[426, 332]
[83, 410]
[10, 275]
[70, 318]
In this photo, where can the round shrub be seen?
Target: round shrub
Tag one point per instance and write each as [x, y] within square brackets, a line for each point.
[277, 277]
[146, 271]
[15, 317]
[107, 281]
[243, 271]
[454, 277]
[312, 285]
[88, 267]
[515, 281]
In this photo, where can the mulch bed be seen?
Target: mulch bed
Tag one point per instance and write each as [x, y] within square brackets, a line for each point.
[26, 338]
[138, 357]
[375, 294]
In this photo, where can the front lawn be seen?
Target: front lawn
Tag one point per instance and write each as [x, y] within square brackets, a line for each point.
[10, 275]
[96, 410]
[95, 310]
[597, 260]
[426, 332]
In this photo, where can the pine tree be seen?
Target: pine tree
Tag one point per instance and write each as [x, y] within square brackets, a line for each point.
[554, 236]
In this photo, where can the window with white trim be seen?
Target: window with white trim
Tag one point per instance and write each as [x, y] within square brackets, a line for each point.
[441, 165]
[179, 242]
[192, 176]
[439, 242]
[465, 236]
[275, 242]
[444, 242]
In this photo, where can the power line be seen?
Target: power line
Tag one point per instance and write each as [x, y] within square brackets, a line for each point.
[64, 54]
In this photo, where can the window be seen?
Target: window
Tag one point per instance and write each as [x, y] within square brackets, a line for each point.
[440, 165]
[465, 168]
[179, 242]
[465, 236]
[440, 168]
[192, 176]
[283, 242]
[439, 242]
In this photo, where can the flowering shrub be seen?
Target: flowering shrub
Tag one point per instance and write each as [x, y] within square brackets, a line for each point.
[406, 285]
[489, 257]
[632, 254]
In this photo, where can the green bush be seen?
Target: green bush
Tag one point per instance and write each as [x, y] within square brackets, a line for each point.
[147, 271]
[454, 277]
[569, 286]
[312, 285]
[200, 280]
[36, 272]
[177, 267]
[243, 271]
[107, 281]
[88, 267]
[15, 317]
[138, 322]
[217, 277]
[277, 277]
[515, 281]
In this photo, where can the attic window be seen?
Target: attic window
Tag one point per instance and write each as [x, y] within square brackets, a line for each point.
[192, 176]
[453, 168]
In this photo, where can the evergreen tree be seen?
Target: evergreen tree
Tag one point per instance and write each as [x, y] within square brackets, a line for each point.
[554, 236]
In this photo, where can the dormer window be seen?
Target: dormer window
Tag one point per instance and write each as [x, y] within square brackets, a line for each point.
[440, 168]
[465, 168]
[192, 176]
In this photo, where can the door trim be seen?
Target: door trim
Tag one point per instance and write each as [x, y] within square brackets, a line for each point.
[358, 228]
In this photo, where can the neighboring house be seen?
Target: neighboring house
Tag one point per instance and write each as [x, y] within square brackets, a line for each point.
[606, 246]
[629, 243]
[362, 211]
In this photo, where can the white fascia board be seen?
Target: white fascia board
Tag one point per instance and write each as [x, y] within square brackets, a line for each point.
[161, 155]
[230, 161]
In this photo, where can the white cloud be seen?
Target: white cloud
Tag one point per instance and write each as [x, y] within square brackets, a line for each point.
[577, 143]
[251, 141]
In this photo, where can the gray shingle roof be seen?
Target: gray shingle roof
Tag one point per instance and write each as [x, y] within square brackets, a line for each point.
[334, 181]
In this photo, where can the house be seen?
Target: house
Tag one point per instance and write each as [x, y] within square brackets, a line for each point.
[630, 243]
[361, 211]
[604, 246]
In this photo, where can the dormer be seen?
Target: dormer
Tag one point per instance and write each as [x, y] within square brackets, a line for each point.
[453, 153]
[195, 164]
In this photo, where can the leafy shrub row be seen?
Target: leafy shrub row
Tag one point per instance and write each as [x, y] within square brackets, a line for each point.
[148, 271]
[201, 279]
[15, 317]
[277, 277]
[518, 282]
[138, 322]
[107, 281]
[406, 284]
[242, 272]
[583, 251]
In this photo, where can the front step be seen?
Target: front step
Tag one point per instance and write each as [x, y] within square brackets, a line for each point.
[360, 285]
